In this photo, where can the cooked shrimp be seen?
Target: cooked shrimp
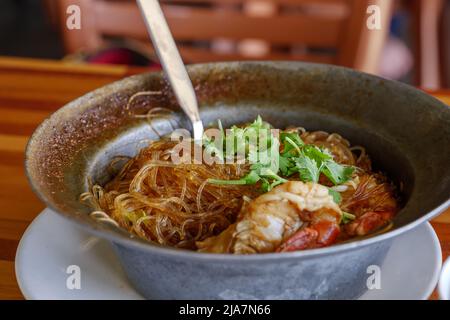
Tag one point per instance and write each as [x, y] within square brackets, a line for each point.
[305, 211]
[322, 231]
[373, 203]
[368, 222]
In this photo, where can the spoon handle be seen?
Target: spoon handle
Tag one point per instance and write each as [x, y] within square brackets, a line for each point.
[171, 61]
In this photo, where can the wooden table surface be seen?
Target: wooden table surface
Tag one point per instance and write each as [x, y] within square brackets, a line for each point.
[29, 91]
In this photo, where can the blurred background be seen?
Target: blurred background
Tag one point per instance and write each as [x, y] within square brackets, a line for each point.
[412, 46]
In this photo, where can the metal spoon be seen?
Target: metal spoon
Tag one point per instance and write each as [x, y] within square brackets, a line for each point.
[171, 61]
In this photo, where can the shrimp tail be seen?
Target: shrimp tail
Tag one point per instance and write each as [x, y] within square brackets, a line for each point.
[320, 234]
[368, 222]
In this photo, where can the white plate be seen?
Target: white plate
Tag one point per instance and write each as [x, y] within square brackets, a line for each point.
[444, 281]
[51, 244]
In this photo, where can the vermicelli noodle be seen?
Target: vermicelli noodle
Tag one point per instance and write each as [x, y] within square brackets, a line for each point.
[176, 205]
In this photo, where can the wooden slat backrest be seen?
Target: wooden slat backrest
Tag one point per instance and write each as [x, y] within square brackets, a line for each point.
[189, 24]
[427, 18]
[360, 47]
[330, 31]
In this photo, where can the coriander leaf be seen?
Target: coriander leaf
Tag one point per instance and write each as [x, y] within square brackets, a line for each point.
[286, 165]
[291, 141]
[235, 141]
[260, 148]
[220, 126]
[259, 124]
[272, 155]
[336, 195]
[337, 173]
[292, 144]
[294, 137]
[319, 155]
[256, 167]
[252, 156]
[255, 130]
[213, 147]
[307, 169]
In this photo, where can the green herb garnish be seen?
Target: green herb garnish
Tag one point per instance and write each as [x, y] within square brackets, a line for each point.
[337, 173]
[336, 195]
[347, 217]
[259, 147]
[307, 168]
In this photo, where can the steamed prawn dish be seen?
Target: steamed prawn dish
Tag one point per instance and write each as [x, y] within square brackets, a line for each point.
[294, 190]
[293, 216]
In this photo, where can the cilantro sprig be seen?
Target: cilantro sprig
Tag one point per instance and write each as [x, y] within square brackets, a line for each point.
[272, 157]
[259, 147]
[309, 161]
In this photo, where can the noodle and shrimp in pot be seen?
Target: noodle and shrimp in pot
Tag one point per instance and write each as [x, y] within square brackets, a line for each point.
[294, 190]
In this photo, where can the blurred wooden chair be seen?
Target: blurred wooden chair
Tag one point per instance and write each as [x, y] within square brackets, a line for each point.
[431, 53]
[445, 40]
[327, 31]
